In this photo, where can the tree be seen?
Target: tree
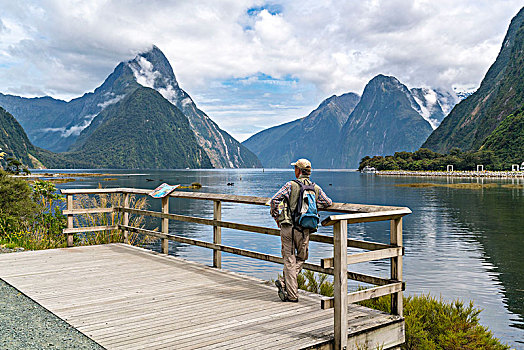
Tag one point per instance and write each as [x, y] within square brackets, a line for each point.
[16, 204]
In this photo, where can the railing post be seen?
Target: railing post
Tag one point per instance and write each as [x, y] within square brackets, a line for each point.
[217, 234]
[396, 266]
[69, 220]
[125, 219]
[165, 224]
[340, 251]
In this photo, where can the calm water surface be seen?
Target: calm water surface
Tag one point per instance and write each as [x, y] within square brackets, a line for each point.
[460, 243]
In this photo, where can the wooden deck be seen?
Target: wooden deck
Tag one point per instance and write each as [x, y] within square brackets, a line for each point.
[125, 297]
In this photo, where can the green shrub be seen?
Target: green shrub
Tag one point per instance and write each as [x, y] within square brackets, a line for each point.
[431, 323]
[30, 217]
[17, 207]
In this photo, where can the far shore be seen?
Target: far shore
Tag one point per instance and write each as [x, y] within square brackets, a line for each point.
[489, 174]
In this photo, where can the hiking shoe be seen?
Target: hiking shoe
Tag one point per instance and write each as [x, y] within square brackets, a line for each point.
[281, 292]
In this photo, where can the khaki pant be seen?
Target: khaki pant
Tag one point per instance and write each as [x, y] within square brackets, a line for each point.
[295, 252]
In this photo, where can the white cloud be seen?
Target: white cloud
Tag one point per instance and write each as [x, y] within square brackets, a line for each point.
[66, 48]
[111, 101]
[145, 75]
[73, 130]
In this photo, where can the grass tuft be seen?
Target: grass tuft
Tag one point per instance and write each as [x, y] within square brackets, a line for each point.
[110, 200]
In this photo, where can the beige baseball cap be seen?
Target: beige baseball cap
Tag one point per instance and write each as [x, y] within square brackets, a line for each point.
[302, 163]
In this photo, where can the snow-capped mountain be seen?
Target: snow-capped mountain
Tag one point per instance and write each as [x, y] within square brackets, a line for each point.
[152, 69]
[434, 104]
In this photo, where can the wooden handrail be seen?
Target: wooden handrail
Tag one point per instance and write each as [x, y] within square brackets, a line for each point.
[336, 207]
[87, 211]
[337, 266]
[354, 218]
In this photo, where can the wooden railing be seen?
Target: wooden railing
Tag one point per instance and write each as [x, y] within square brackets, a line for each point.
[337, 265]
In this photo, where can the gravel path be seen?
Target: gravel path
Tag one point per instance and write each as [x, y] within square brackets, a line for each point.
[26, 325]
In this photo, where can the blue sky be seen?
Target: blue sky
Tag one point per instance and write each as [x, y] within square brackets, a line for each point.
[252, 64]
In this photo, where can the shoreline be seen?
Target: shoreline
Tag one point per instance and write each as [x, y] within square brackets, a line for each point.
[465, 174]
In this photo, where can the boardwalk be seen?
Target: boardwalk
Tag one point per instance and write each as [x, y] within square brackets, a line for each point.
[125, 297]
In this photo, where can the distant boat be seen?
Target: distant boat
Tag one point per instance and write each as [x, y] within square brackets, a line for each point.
[368, 170]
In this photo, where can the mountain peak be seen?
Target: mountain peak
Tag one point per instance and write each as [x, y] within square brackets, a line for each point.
[152, 69]
[383, 78]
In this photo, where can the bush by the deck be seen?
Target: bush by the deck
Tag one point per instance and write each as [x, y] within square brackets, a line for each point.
[431, 323]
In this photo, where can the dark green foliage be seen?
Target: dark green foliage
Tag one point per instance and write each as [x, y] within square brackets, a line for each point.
[50, 219]
[30, 217]
[425, 159]
[315, 283]
[314, 137]
[17, 207]
[435, 324]
[143, 130]
[507, 140]
[14, 143]
[500, 93]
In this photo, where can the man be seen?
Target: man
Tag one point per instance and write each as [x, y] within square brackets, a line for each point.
[294, 241]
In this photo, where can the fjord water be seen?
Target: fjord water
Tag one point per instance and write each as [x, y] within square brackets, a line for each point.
[460, 243]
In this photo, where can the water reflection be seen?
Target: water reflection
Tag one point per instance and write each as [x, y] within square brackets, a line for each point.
[460, 243]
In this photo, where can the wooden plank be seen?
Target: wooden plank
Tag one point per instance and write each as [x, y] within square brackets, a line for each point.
[365, 256]
[367, 217]
[87, 211]
[365, 294]
[125, 217]
[91, 190]
[161, 316]
[396, 266]
[340, 284]
[374, 292]
[209, 314]
[217, 234]
[173, 337]
[165, 224]
[132, 315]
[366, 245]
[89, 229]
[249, 337]
[70, 223]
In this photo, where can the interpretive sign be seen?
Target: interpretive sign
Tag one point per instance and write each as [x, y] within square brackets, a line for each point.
[162, 190]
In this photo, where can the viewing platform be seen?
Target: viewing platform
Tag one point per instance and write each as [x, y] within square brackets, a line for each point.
[125, 297]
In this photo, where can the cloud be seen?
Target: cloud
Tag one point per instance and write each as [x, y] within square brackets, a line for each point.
[312, 48]
[73, 130]
[111, 101]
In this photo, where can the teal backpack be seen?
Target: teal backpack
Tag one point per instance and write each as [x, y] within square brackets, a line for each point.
[305, 215]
